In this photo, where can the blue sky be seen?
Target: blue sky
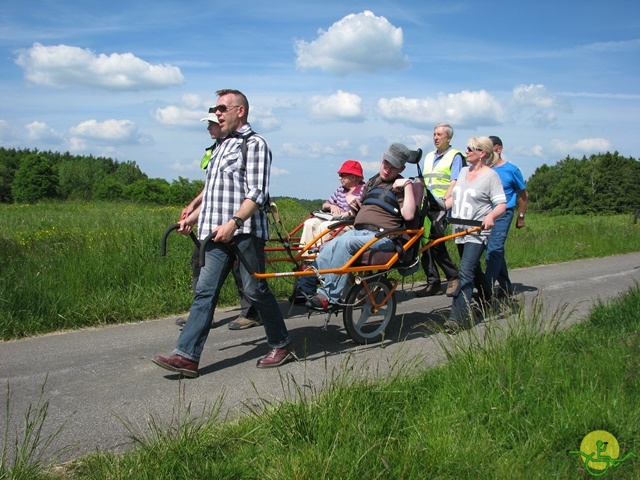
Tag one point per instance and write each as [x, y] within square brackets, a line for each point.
[327, 81]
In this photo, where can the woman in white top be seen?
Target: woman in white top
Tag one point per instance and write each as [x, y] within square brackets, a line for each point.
[477, 195]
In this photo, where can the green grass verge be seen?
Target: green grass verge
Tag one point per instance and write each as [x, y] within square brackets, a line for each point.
[512, 402]
[73, 265]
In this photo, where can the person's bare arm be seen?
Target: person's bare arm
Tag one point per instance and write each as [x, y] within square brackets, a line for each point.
[409, 205]
[489, 220]
[224, 232]
[523, 199]
[195, 204]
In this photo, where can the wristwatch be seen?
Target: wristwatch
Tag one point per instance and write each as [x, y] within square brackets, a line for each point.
[521, 215]
[239, 221]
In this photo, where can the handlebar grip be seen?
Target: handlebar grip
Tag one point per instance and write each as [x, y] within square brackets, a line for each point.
[163, 246]
[230, 246]
[202, 248]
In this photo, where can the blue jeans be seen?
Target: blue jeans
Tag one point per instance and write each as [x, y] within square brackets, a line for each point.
[337, 252]
[496, 264]
[469, 265]
[218, 264]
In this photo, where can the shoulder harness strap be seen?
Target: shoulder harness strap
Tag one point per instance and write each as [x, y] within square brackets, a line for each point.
[382, 197]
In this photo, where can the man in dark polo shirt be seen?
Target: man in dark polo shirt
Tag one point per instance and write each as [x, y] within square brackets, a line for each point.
[388, 201]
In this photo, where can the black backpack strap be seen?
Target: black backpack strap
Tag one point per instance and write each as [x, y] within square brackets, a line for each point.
[243, 150]
[243, 145]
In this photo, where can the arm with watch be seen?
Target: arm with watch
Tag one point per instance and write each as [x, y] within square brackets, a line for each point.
[523, 198]
[226, 231]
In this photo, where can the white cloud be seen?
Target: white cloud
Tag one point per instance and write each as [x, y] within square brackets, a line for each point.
[534, 95]
[175, 115]
[464, 109]
[606, 96]
[594, 145]
[341, 148]
[278, 172]
[110, 131]
[363, 151]
[187, 113]
[614, 46]
[359, 42]
[542, 106]
[339, 106]
[370, 168]
[421, 141]
[77, 144]
[585, 146]
[67, 66]
[263, 120]
[537, 151]
[195, 101]
[41, 132]
[302, 150]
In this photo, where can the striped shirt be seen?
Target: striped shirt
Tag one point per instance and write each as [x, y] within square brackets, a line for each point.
[339, 197]
[231, 179]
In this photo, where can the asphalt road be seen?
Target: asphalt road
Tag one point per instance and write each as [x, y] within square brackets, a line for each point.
[98, 380]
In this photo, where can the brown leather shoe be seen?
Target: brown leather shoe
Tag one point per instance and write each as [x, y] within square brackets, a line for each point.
[430, 290]
[276, 357]
[178, 364]
[242, 323]
[452, 286]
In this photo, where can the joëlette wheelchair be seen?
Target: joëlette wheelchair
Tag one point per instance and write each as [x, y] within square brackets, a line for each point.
[369, 302]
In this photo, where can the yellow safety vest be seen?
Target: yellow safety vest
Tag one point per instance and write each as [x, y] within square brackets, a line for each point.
[437, 179]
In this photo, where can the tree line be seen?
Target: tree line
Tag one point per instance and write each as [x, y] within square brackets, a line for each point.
[28, 176]
[602, 183]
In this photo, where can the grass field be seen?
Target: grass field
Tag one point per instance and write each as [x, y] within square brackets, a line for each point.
[72, 265]
[514, 402]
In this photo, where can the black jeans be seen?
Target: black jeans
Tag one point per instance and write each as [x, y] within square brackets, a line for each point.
[438, 255]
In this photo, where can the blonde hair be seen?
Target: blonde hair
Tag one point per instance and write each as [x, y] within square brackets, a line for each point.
[486, 145]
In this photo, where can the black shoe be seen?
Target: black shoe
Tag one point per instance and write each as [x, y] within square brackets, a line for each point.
[181, 321]
[501, 294]
[430, 290]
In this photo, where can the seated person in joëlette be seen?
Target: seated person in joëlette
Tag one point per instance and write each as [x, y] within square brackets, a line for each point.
[337, 206]
[389, 201]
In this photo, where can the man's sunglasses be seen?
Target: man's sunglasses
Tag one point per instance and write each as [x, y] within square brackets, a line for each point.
[221, 108]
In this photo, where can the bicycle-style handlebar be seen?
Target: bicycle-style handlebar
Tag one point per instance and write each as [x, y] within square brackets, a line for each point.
[163, 247]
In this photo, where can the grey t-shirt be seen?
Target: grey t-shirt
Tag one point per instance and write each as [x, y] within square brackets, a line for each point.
[474, 201]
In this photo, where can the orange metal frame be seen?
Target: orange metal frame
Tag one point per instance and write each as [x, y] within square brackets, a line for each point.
[351, 266]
